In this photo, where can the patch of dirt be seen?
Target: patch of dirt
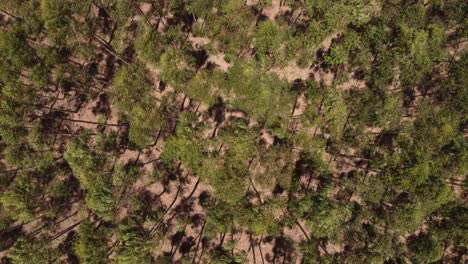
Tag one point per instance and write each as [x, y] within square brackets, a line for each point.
[70, 220]
[266, 137]
[457, 50]
[275, 10]
[128, 156]
[351, 84]
[267, 248]
[91, 112]
[356, 198]
[219, 60]
[296, 234]
[192, 230]
[145, 7]
[198, 42]
[328, 41]
[251, 2]
[332, 249]
[293, 72]
[373, 130]
[301, 104]
[155, 74]
[457, 188]
[309, 181]
[324, 77]
[242, 243]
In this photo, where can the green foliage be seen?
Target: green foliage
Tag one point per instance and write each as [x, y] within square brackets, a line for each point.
[19, 199]
[186, 150]
[230, 182]
[335, 56]
[27, 250]
[200, 8]
[409, 216]
[185, 146]
[90, 167]
[222, 256]
[260, 95]
[176, 67]
[230, 27]
[58, 16]
[204, 86]
[16, 52]
[84, 161]
[150, 45]
[324, 216]
[219, 219]
[310, 251]
[91, 246]
[448, 226]
[260, 220]
[132, 85]
[100, 200]
[145, 119]
[453, 91]
[419, 49]
[133, 95]
[267, 38]
[274, 167]
[424, 249]
[134, 247]
[374, 150]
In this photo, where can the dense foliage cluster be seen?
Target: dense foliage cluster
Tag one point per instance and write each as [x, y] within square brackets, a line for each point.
[233, 131]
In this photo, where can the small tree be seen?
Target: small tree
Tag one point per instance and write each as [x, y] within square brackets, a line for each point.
[91, 246]
[267, 39]
[133, 94]
[134, 247]
[27, 250]
[424, 249]
[58, 16]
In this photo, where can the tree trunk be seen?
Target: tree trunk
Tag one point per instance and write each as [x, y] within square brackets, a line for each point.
[200, 236]
[302, 230]
[37, 231]
[260, 249]
[138, 9]
[91, 122]
[68, 229]
[10, 14]
[109, 48]
[294, 106]
[156, 225]
[252, 244]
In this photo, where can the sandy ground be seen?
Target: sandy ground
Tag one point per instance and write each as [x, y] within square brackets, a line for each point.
[301, 104]
[292, 72]
[219, 60]
[351, 84]
[275, 10]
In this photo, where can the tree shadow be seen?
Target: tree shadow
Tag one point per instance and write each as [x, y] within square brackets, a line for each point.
[68, 246]
[283, 249]
[278, 190]
[218, 111]
[9, 236]
[298, 86]
[177, 238]
[210, 66]
[187, 245]
[200, 57]
[102, 106]
[205, 199]
[109, 68]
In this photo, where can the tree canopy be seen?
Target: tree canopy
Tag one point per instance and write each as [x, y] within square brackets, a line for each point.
[234, 131]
